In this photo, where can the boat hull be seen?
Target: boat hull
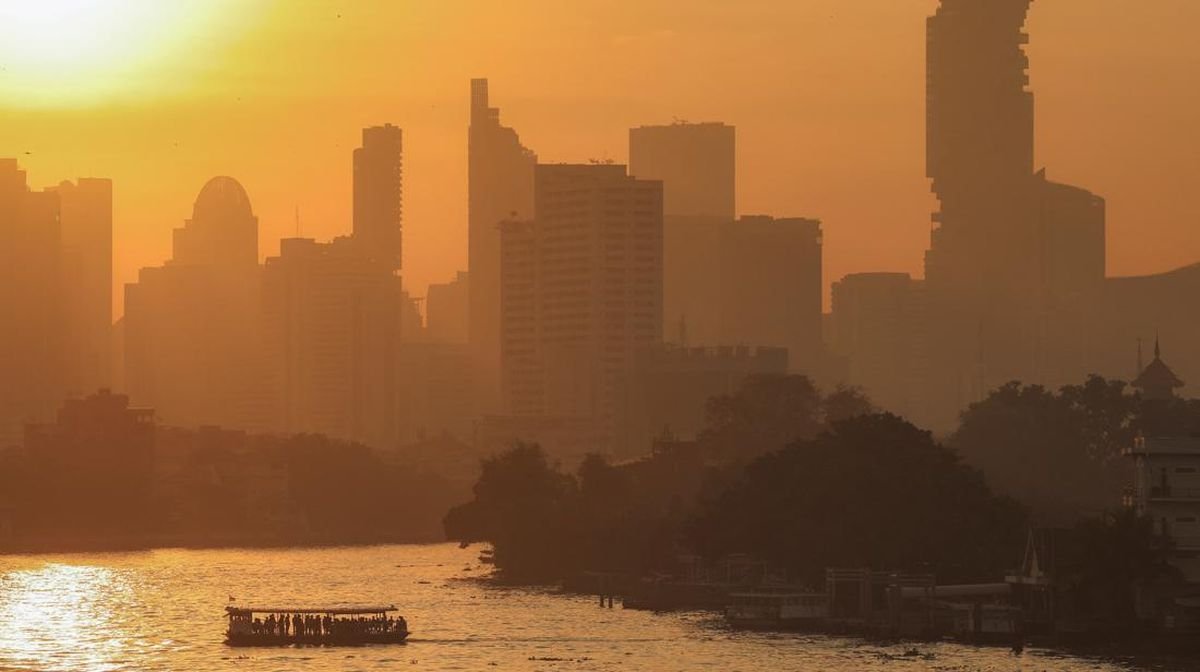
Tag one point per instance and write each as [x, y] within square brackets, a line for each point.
[316, 640]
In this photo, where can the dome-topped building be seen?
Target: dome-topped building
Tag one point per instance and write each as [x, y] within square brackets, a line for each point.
[222, 195]
[223, 229]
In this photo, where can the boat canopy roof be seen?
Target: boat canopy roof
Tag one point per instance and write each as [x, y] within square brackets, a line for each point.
[331, 610]
[776, 596]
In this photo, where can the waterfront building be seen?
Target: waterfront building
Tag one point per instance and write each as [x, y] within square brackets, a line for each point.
[93, 465]
[1166, 490]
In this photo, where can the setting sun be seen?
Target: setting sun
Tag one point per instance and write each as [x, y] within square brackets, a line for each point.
[79, 51]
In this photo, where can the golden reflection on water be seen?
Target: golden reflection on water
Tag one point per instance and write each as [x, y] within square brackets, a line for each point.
[63, 614]
[164, 610]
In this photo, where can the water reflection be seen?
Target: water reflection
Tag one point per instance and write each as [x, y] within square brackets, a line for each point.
[64, 616]
[164, 610]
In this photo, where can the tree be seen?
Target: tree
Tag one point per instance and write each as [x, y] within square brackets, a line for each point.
[1119, 551]
[765, 414]
[871, 491]
[1061, 452]
[526, 509]
[846, 402]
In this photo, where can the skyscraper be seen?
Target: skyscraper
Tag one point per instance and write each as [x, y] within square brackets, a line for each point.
[87, 253]
[695, 163]
[446, 310]
[979, 154]
[331, 326]
[193, 347]
[1012, 256]
[767, 274]
[223, 231]
[500, 188]
[581, 294]
[875, 326]
[377, 193]
[31, 366]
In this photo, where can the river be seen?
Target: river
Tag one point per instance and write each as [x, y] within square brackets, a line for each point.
[164, 610]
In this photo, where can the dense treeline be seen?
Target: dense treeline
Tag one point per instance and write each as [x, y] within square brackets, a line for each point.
[871, 491]
[780, 472]
[218, 487]
[1060, 452]
[807, 481]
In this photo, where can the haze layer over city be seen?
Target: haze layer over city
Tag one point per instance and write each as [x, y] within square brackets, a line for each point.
[870, 321]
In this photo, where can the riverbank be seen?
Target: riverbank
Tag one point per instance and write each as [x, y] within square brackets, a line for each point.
[117, 544]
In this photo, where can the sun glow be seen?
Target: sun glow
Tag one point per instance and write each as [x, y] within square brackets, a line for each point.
[72, 51]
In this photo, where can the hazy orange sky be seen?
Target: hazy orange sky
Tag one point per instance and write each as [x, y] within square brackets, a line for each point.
[827, 97]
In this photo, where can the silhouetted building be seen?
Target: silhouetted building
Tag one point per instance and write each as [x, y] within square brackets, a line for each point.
[1073, 246]
[223, 231]
[100, 429]
[412, 325]
[877, 328]
[1132, 308]
[695, 162]
[447, 306]
[982, 266]
[979, 138]
[754, 281]
[770, 285]
[332, 333]
[31, 300]
[500, 187]
[1014, 260]
[1166, 490]
[1157, 381]
[581, 294]
[193, 347]
[673, 385]
[377, 194]
[87, 273]
[93, 465]
[432, 398]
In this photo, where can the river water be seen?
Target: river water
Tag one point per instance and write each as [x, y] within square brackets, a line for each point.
[164, 610]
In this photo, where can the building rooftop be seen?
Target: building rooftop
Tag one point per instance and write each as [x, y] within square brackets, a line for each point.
[1165, 445]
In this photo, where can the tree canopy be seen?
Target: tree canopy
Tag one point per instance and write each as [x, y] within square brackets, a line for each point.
[873, 490]
[1060, 452]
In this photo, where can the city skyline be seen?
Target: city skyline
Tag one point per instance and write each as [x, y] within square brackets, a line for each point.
[797, 149]
[819, 334]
